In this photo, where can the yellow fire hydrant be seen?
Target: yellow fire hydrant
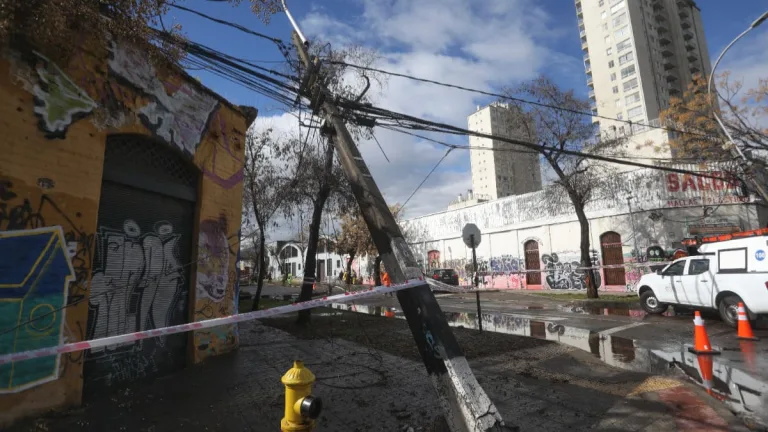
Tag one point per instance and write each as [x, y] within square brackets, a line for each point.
[301, 408]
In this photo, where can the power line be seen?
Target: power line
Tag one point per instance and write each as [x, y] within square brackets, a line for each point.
[512, 98]
[427, 177]
[416, 123]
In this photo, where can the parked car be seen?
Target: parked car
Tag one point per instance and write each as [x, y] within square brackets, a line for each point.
[446, 276]
[729, 270]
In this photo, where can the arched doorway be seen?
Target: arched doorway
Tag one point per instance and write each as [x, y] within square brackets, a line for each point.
[532, 262]
[143, 246]
[613, 254]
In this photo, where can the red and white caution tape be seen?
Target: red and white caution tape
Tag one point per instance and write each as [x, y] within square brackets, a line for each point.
[181, 328]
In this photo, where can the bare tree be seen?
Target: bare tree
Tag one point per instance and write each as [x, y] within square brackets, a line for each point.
[555, 123]
[270, 174]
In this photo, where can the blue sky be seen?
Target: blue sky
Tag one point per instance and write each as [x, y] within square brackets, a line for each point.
[480, 44]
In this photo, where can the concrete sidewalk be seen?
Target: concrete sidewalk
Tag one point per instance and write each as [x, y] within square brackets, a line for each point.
[536, 385]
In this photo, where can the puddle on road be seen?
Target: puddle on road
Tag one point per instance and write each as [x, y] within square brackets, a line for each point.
[729, 377]
[615, 311]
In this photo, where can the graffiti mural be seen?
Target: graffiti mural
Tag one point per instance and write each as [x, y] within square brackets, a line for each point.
[35, 273]
[504, 272]
[213, 255]
[433, 259]
[139, 283]
[177, 114]
[562, 272]
[215, 341]
[224, 154]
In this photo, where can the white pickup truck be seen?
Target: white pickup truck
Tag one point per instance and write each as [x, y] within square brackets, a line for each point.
[724, 274]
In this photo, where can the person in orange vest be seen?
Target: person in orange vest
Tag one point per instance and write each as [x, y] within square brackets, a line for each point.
[385, 279]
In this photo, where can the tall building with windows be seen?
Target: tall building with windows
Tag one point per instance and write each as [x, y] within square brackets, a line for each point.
[499, 168]
[638, 54]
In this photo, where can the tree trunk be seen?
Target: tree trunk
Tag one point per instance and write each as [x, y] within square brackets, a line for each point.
[377, 271]
[310, 261]
[586, 259]
[262, 270]
[348, 276]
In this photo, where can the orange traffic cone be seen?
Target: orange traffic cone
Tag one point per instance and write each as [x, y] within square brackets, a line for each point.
[706, 367]
[745, 330]
[701, 343]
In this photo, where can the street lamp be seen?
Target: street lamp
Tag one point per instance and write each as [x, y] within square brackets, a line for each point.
[748, 163]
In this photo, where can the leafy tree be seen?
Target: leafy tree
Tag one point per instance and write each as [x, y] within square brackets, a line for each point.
[556, 125]
[54, 26]
[272, 166]
[354, 240]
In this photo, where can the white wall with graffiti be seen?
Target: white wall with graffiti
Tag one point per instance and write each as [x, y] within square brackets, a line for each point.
[645, 220]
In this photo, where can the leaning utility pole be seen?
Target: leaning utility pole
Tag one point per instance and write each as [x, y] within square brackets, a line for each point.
[466, 406]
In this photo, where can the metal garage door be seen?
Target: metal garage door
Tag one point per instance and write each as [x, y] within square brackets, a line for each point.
[141, 265]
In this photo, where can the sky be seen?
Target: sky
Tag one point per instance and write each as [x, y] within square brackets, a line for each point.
[485, 45]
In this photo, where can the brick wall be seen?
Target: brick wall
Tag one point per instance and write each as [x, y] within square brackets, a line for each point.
[55, 121]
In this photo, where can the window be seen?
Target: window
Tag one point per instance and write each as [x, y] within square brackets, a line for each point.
[617, 102]
[632, 99]
[601, 3]
[621, 32]
[607, 40]
[732, 260]
[617, 7]
[620, 19]
[613, 76]
[604, 15]
[675, 269]
[611, 64]
[625, 44]
[635, 112]
[620, 116]
[615, 89]
[338, 263]
[630, 85]
[698, 266]
[628, 71]
[628, 57]
[605, 26]
[609, 51]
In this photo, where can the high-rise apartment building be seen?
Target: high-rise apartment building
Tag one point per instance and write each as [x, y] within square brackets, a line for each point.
[638, 54]
[501, 169]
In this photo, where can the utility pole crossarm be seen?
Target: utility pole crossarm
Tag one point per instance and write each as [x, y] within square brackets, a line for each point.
[465, 403]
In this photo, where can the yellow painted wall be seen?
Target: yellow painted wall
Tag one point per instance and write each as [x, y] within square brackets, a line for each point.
[54, 124]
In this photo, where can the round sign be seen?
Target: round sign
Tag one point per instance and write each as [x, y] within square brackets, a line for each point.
[467, 233]
[760, 255]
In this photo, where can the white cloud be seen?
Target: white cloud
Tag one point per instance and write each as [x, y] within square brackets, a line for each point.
[481, 45]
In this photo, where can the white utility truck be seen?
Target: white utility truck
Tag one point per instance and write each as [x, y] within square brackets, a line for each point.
[729, 269]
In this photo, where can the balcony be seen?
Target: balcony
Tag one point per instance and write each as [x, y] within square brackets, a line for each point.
[690, 46]
[671, 77]
[588, 67]
[668, 64]
[692, 56]
[586, 57]
[660, 16]
[664, 40]
[592, 95]
[584, 44]
[687, 35]
[590, 81]
[674, 89]
[682, 3]
[666, 52]
[661, 28]
[579, 12]
[695, 68]
[683, 13]
[685, 24]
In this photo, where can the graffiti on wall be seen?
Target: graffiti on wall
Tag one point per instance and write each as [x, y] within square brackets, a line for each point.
[178, 114]
[224, 153]
[138, 285]
[504, 272]
[213, 256]
[35, 274]
[562, 271]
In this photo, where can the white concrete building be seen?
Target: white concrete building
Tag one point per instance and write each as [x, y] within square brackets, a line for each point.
[290, 255]
[528, 232]
[496, 174]
[637, 54]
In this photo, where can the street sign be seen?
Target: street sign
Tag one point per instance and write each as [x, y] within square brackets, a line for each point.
[467, 233]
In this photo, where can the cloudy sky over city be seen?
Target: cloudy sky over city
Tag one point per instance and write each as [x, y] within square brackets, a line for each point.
[483, 45]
